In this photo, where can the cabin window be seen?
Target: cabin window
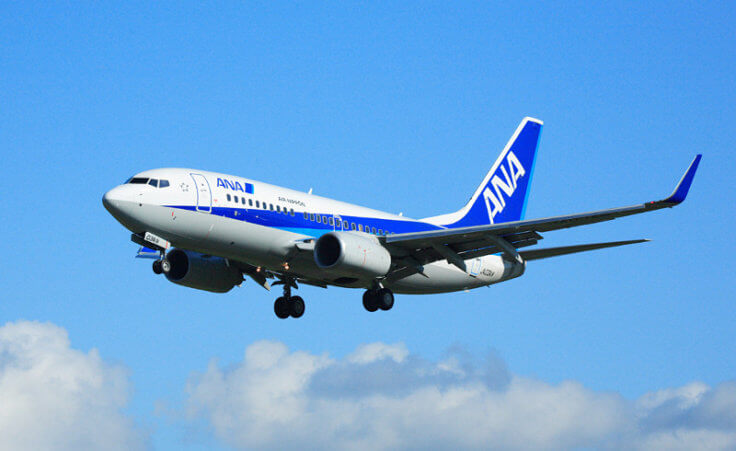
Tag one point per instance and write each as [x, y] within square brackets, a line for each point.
[236, 199]
[228, 198]
[242, 200]
[360, 227]
[292, 212]
[306, 215]
[352, 226]
[163, 183]
[270, 207]
[278, 208]
[319, 219]
[250, 202]
[380, 232]
[332, 221]
[311, 216]
[373, 230]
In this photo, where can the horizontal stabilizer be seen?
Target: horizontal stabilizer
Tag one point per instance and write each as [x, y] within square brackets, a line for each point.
[537, 254]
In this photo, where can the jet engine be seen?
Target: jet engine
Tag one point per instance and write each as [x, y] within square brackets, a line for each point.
[203, 272]
[352, 255]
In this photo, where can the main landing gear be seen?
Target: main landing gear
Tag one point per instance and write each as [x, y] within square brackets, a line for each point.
[380, 298]
[288, 305]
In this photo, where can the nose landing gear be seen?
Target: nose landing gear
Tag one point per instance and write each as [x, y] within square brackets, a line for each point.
[161, 265]
[288, 305]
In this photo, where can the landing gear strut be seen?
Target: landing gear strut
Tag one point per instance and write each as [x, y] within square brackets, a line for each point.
[380, 298]
[288, 305]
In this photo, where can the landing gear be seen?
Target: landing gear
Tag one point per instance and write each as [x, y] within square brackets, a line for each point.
[161, 265]
[385, 299]
[281, 308]
[381, 298]
[288, 305]
[296, 307]
[369, 300]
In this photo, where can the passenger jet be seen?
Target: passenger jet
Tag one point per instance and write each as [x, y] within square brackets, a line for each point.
[208, 230]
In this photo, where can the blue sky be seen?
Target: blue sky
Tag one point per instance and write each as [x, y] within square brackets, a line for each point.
[397, 107]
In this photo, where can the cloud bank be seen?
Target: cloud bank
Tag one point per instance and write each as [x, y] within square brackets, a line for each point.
[382, 397]
[55, 397]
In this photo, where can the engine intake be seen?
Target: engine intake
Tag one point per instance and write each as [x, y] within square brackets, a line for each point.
[203, 272]
[352, 255]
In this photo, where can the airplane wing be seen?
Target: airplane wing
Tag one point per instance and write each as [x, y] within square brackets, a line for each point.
[413, 250]
[538, 254]
[261, 276]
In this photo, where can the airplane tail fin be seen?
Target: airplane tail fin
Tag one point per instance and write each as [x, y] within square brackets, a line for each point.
[502, 195]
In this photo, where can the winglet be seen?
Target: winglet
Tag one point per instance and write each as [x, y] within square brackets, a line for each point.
[680, 192]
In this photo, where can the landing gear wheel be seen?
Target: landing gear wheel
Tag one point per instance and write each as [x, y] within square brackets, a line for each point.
[296, 307]
[165, 266]
[281, 308]
[369, 300]
[157, 267]
[385, 299]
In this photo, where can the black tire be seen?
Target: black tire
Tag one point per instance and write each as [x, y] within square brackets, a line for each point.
[157, 269]
[296, 307]
[369, 300]
[281, 308]
[385, 299]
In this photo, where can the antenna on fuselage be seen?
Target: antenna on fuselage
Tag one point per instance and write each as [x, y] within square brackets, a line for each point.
[310, 191]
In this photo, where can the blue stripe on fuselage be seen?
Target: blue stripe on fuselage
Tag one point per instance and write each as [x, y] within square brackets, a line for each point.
[297, 223]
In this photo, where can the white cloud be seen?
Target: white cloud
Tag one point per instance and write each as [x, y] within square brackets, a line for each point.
[382, 397]
[55, 397]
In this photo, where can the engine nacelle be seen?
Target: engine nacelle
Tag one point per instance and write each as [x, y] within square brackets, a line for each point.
[352, 255]
[203, 272]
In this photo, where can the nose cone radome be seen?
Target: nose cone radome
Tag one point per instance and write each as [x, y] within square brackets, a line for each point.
[120, 203]
[112, 200]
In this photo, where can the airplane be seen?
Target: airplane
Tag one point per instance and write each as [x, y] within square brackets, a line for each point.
[209, 231]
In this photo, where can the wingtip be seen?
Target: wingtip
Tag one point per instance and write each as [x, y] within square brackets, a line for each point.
[682, 188]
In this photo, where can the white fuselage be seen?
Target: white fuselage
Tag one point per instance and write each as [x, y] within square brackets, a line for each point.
[257, 223]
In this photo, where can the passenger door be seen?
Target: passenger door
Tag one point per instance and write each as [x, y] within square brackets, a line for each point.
[204, 194]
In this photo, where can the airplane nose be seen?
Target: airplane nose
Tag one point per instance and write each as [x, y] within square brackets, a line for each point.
[122, 205]
[111, 199]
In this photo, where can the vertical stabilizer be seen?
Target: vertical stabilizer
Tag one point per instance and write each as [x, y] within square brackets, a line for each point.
[502, 195]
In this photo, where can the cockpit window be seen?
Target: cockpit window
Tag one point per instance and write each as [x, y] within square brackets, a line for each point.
[156, 183]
